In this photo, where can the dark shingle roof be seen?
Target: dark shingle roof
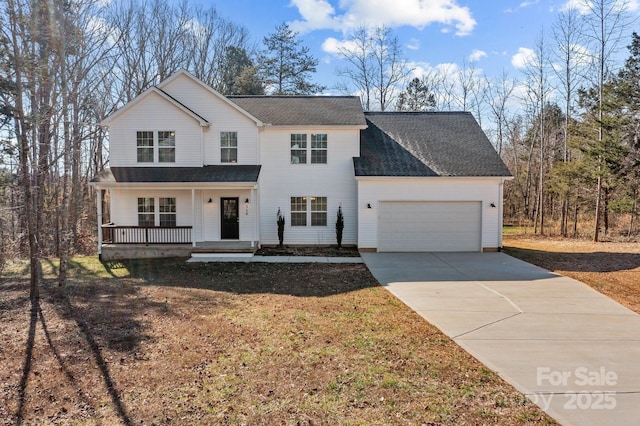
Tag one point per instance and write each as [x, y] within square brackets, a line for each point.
[222, 173]
[426, 144]
[303, 110]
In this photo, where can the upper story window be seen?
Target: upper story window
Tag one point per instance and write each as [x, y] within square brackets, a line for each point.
[319, 148]
[228, 147]
[318, 145]
[298, 148]
[167, 147]
[156, 146]
[144, 142]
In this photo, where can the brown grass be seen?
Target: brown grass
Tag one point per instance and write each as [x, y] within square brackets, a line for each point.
[612, 268]
[165, 342]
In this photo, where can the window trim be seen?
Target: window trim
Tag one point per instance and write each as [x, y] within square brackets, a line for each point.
[229, 148]
[154, 148]
[298, 139]
[150, 210]
[316, 150]
[317, 199]
[300, 201]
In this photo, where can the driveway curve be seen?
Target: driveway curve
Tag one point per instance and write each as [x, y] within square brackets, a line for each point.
[571, 350]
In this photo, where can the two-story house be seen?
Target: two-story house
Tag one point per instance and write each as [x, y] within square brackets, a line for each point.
[194, 171]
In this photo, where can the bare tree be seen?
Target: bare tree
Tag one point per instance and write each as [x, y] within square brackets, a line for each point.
[376, 67]
[570, 53]
[498, 95]
[606, 24]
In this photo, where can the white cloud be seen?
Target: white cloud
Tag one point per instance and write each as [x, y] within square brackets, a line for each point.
[414, 44]
[335, 46]
[476, 55]
[320, 14]
[524, 57]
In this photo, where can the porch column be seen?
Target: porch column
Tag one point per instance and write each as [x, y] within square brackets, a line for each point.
[256, 212]
[193, 217]
[99, 207]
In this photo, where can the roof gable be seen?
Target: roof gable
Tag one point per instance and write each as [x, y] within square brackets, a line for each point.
[426, 144]
[149, 92]
[185, 74]
[304, 110]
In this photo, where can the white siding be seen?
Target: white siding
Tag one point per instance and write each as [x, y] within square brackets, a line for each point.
[280, 180]
[222, 116]
[154, 113]
[374, 190]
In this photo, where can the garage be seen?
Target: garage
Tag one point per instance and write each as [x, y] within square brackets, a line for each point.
[425, 226]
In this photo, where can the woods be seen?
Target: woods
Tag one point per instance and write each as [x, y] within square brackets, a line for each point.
[567, 125]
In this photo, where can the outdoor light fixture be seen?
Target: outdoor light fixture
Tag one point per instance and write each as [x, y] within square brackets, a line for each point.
[246, 201]
[368, 205]
[210, 201]
[493, 205]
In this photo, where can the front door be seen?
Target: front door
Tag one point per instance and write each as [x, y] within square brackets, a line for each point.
[230, 219]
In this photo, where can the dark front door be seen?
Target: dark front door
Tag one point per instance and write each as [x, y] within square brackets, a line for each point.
[230, 221]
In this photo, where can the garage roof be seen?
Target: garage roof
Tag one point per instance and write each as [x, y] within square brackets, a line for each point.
[426, 144]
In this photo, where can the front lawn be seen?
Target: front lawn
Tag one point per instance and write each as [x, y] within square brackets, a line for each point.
[166, 342]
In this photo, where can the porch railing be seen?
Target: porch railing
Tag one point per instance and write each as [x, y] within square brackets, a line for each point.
[112, 234]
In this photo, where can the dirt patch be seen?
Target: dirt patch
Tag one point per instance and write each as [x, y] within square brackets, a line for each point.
[612, 268]
[166, 342]
[332, 251]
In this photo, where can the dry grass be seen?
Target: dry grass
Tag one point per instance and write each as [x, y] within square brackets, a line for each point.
[612, 268]
[165, 342]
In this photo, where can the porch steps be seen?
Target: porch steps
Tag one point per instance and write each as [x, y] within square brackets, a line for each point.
[224, 249]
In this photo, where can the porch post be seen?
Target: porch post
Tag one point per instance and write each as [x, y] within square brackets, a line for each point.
[256, 212]
[99, 208]
[193, 217]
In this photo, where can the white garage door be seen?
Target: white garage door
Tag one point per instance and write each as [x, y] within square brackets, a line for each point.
[429, 226]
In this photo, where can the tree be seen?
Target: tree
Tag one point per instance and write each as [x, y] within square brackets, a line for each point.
[280, 222]
[417, 96]
[239, 75]
[375, 68]
[286, 66]
[606, 22]
[339, 226]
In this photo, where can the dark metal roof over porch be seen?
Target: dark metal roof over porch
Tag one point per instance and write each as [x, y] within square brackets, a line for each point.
[205, 174]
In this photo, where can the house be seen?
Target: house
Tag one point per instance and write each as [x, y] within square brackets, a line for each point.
[193, 171]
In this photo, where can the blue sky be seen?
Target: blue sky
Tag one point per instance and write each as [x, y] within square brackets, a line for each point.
[493, 35]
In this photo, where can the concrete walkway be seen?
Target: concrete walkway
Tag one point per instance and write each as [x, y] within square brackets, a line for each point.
[571, 350]
[274, 259]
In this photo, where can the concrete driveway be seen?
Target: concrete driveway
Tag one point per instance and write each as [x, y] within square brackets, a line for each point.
[571, 350]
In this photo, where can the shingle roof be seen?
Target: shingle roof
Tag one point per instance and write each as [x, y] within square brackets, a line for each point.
[220, 173]
[303, 110]
[426, 144]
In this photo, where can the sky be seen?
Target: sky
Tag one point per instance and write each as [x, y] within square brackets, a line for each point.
[494, 36]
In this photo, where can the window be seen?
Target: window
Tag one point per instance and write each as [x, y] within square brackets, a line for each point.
[318, 211]
[146, 215]
[228, 147]
[298, 148]
[167, 211]
[166, 147]
[144, 142]
[319, 148]
[298, 211]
